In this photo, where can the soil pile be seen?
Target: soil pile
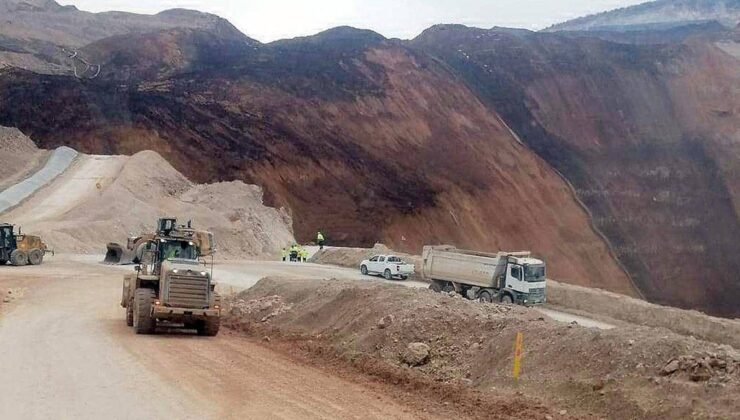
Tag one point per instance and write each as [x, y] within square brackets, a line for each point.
[615, 373]
[19, 156]
[577, 299]
[137, 191]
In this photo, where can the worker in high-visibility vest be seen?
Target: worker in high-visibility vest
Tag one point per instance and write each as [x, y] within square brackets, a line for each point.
[294, 253]
[320, 240]
[284, 253]
[304, 254]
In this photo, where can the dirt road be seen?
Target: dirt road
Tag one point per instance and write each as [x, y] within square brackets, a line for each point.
[65, 352]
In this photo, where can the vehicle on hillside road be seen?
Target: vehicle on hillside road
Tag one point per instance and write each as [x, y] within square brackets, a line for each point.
[507, 277]
[389, 266]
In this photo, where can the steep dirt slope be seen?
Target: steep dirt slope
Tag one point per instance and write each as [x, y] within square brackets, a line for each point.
[359, 137]
[647, 134]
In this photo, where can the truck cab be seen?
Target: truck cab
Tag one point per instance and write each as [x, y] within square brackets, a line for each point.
[525, 280]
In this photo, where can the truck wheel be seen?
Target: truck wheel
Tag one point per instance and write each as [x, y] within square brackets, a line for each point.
[18, 258]
[363, 270]
[485, 297]
[209, 327]
[387, 274]
[130, 314]
[143, 321]
[506, 299]
[35, 257]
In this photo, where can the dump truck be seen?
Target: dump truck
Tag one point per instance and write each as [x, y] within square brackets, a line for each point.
[171, 285]
[508, 277]
[20, 249]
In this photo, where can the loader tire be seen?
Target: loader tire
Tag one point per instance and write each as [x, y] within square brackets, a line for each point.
[18, 258]
[36, 257]
[130, 314]
[143, 321]
[209, 327]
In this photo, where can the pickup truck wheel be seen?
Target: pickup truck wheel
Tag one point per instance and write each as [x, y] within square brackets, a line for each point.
[209, 327]
[363, 270]
[18, 258]
[387, 274]
[506, 299]
[35, 257]
[130, 314]
[143, 321]
[485, 297]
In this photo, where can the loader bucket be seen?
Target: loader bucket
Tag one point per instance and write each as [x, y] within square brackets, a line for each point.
[118, 255]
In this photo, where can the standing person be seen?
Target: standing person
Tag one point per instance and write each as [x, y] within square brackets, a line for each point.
[284, 253]
[320, 240]
[304, 254]
[294, 253]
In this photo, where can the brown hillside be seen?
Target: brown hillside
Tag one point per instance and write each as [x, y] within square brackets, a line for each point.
[360, 137]
[647, 134]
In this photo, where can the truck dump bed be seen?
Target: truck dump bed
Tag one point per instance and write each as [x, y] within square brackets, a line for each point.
[474, 268]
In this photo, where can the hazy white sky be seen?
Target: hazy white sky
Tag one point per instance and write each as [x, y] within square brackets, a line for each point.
[268, 20]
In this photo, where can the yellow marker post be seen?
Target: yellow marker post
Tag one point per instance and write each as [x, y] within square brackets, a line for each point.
[518, 344]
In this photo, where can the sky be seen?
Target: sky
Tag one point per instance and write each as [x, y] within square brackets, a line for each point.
[269, 20]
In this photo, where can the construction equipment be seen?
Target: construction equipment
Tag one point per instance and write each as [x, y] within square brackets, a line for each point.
[131, 254]
[508, 277]
[20, 249]
[171, 285]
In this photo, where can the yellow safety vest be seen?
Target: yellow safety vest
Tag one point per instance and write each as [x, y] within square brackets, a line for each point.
[319, 237]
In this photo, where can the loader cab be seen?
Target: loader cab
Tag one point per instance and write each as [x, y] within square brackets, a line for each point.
[7, 241]
[166, 225]
[177, 249]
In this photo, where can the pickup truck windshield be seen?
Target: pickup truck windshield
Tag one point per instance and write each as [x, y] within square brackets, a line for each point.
[534, 273]
[183, 250]
[395, 260]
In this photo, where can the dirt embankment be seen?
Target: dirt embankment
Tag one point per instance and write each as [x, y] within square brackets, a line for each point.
[19, 156]
[594, 302]
[636, 311]
[104, 199]
[417, 336]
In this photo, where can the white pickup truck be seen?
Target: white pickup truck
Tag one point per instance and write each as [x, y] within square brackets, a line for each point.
[389, 266]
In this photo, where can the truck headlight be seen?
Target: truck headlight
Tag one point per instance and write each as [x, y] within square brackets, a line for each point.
[174, 271]
[203, 273]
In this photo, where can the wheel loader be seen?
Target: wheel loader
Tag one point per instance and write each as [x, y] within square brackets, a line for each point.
[20, 249]
[171, 285]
